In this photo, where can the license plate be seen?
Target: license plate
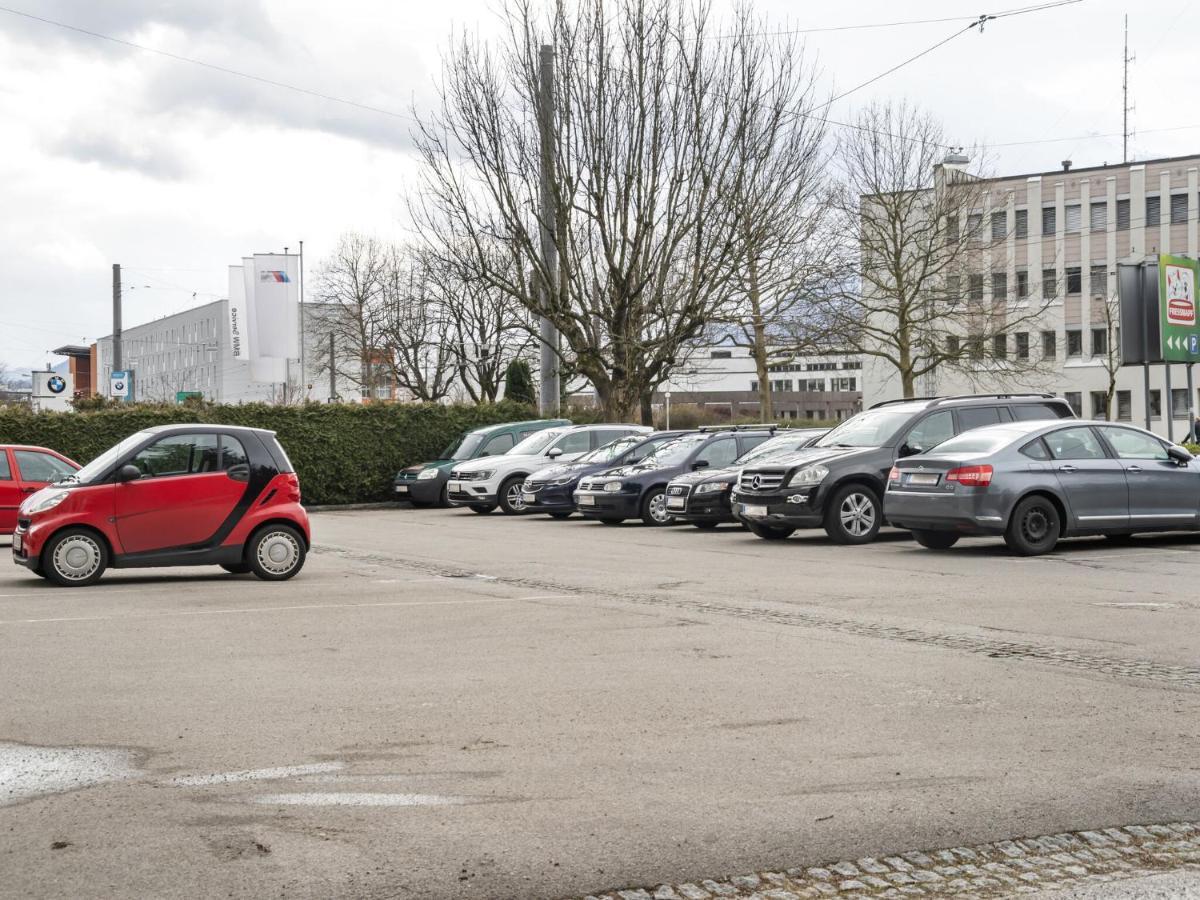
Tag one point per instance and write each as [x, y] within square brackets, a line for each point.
[675, 503]
[587, 500]
[920, 478]
[402, 489]
[752, 510]
[18, 543]
[528, 498]
[453, 487]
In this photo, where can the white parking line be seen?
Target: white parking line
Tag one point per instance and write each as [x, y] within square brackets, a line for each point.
[270, 609]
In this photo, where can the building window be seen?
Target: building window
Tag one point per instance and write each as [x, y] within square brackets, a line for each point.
[974, 225]
[999, 285]
[782, 384]
[1022, 284]
[1179, 209]
[845, 384]
[754, 387]
[953, 288]
[1074, 342]
[1074, 217]
[721, 354]
[1022, 342]
[1124, 406]
[952, 229]
[812, 385]
[1075, 401]
[999, 225]
[1156, 404]
[1179, 403]
[1099, 342]
[1099, 278]
[952, 346]
[976, 289]
[1074, 280]
[1000, 346]
[1098, 216]
[1022, 228]
[1122, 215]
[1049, 284]
[1099, 404]
[1049, 344]
[975, 347]
[852, 364]
[1049, 221]
[1153, 211]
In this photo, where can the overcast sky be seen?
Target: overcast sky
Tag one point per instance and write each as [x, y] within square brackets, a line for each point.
[175, 171]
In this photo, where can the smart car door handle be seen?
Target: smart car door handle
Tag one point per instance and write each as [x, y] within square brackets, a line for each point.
[1067, 469]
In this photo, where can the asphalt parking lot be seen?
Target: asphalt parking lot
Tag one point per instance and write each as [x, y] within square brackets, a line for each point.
[451, 705]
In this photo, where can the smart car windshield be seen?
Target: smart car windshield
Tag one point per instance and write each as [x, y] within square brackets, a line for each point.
[536, 443]
[104, 461]
[464, 447]
[872, 428]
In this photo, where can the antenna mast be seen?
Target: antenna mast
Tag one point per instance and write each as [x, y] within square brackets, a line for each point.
[1126, 59]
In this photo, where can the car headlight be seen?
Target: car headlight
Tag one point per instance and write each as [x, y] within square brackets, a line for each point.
[559, 482]
[485, 476]
[809, 475]
[427, 474]
[44, 501]
[713, 486]
[612, 487]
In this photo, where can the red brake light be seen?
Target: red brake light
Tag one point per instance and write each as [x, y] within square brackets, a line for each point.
[293, 487]
[894, 475]
[971, 476]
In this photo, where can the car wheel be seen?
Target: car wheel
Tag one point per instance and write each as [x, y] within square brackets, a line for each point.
[770, 532]
[936, 540]
[510, 496]
[482, 508]
[236, 568]
[75, 557]
[705, 526]
[1034, 527]
[853, 515]
[560, 515]
[276, 552]
[612, 521]
[654, 508]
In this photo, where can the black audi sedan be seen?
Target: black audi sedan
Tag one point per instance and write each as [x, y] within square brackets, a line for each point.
[639, 491]
[550, 490]
[702, 497]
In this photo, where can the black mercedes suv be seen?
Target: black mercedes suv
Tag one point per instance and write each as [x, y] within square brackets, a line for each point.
[639, 491]
[838, 482]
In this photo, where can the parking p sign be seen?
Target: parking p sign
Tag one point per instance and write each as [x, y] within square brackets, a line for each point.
[1179, 323]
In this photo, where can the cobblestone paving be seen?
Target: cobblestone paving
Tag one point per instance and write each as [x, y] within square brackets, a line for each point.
[1001, 869]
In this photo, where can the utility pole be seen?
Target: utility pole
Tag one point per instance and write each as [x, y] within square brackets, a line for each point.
[548, 395]
[116, 326]
[1126, 59]
[332, 371]
[303, 370]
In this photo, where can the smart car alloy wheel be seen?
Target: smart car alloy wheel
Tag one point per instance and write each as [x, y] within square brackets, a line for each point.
[276, 553]
[75, 558]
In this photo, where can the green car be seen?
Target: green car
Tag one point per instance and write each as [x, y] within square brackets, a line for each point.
[425, 483]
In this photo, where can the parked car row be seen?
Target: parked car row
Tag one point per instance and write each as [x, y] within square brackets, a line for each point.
[1018, 466]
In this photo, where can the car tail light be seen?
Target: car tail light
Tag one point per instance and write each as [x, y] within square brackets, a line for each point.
[971, 476]
[894, 475]
[293, 488]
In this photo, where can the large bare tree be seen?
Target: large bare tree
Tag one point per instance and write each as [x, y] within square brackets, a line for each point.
[649, 114]
[415, 345]
[921, 299]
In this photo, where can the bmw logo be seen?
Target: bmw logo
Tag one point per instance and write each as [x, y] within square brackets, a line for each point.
[57, 384]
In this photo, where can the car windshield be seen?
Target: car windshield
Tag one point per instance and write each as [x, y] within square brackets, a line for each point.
[105, 460]
[536, 442]
[611, 450]
[464, 447]
[673, 452]
[782, 445]
[872, 428]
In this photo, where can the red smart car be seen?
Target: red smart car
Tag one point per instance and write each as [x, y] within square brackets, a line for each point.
[25, 471]
[176, 495]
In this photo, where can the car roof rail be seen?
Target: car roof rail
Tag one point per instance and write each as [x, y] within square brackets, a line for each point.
[1010, 395]
[709, 429]
[900, 400]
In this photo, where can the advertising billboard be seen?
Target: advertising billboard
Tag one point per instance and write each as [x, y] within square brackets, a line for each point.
[1179, 327]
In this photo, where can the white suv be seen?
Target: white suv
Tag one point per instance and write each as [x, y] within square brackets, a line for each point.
[483, 484]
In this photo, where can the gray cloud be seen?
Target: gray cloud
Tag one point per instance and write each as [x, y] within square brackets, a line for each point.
[121, 18]
[149, 155]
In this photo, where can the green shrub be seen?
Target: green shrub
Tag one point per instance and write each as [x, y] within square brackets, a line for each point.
[518, 383]
[1193, 449]
[343, 453]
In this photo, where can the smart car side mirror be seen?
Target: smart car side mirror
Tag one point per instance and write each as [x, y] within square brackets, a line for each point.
[128, 472]
[1180, 455]
[554, 452]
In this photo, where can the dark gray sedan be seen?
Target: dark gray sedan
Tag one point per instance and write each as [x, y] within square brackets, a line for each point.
[1034, 482]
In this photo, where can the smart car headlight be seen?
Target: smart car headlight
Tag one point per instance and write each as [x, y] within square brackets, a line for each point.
[809, 475]
[43, 501]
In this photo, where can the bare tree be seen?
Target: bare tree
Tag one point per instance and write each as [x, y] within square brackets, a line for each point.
[413, 341]
[648, 112]
[921, 300]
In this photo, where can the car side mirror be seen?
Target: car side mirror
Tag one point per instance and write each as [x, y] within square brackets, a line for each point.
[700, 464]
[554, 452]
[128, 472]
[1180, 455]
[906, 450]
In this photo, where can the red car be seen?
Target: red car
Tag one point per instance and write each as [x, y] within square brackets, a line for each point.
[24, 471]
[176, 495]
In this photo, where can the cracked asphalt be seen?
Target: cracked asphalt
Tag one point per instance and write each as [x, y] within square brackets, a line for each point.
[452, 705]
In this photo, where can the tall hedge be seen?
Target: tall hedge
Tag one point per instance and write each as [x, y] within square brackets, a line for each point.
[343, 453]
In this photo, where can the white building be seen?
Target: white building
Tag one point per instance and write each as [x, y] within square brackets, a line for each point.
[1064, 233]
